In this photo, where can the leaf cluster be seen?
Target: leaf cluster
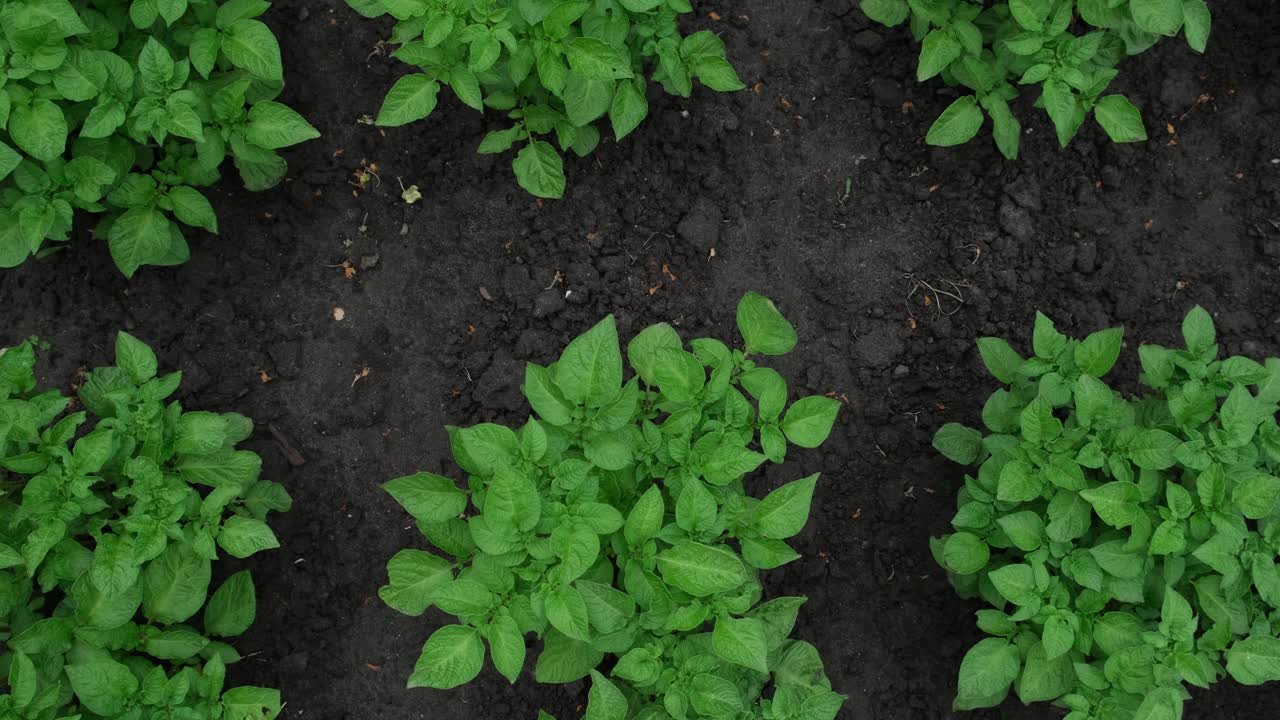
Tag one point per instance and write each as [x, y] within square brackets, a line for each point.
[554, 66]
[124, 108]
[110, 520]
[1069, 48]
[1127, 546]
[615, 524]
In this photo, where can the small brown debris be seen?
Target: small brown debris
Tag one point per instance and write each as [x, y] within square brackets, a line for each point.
[364, 373]
[667, 271]
[714, 15]
[286, 448]
[339, 314]
[857, 514]
[373, 667]
[484, 293]
[1148, 224]
[263, 377]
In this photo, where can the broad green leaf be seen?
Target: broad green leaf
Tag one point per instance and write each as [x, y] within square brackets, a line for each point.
[590, 368]
[763, 327]
[242, 536]
[958, 443]
[986, 672]
[1254, 660]
[958, 124]
[413, 97]
[1120, 119]
[604, 700]
[141, 236]
[413, 575]
[808, 421]
[701, 570]
[102, 686]
[233, 606]
[273, 126]
[506, 645]
[452, 656]
[428, 497]
[251, 45]
[741, 641]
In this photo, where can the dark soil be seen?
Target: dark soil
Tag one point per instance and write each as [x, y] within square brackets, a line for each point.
[887, 285]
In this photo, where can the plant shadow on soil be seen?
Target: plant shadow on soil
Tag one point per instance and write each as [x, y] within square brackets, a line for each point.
[712, 196]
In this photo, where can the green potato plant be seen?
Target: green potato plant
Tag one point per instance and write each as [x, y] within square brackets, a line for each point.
[122, 109]
[1127, 546]
[110, 520]
[616, 524]
[1070, 48]
[554, 66]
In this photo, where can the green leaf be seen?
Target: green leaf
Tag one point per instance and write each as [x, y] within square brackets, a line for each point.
[695, 508]
[564, 659]
[242, 536]
[590, 368]
[1154, 450]
[506, 645]
[251, 45]
[134, 357]
[741, 641]
[39, 129]
[413, 575]
[1117, 503]
[1198, 331]
[540, 170]
[1016, 583]
[628, 110]
[808, 421]
[939, 49]
[233, 606]
[102, 686]
[141, 236]
[1120, 119]
[1254, 660]
[886, 12]
[784, 512]
[763, 327]
[193, 208]
[452, 656]
[958, 124]
[701, 570]
[958, 443]
[986, 672]
[645, 519]
[717, 74]
[428, 497]
[175, 584]
[1159, 17]
[273, 126]
[413, 97]
[567, 612]
[1001, 360]
[965, 553]
[251, 703]
[1097, 354]
[604, 700]
[1197, 23]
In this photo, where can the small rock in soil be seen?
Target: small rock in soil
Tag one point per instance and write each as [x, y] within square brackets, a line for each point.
[868, 40]
[886, 92]
[548, 302]
[701, 226]
[1026, 192]
[1016, 221]
[499, 387]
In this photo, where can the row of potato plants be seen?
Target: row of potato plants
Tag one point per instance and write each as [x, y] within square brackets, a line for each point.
[1126, 547]
[123, 109]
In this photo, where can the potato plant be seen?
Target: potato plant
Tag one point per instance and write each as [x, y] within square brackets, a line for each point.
[1068, 48]
[1126, 546]
[616, 524]
[554, 67]
[110, 520]
[123, 109]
